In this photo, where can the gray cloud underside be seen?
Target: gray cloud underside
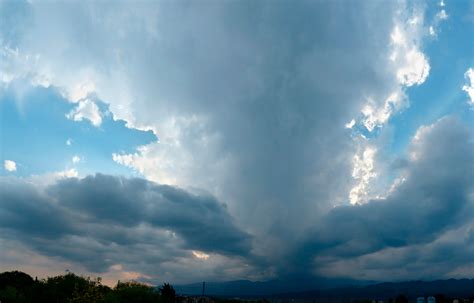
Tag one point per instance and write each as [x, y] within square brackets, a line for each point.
[271, 85]
[103, 220]
[436, 199]
[119, 213]
[259, 93]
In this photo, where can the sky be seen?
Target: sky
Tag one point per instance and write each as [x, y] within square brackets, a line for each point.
[184, 141]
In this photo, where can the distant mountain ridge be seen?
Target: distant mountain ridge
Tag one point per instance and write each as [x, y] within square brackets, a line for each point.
[332, 289]
[264, 288]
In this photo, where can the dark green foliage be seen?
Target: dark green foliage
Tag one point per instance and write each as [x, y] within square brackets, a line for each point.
[16, 279]
[131, 292]
[18, 287]
[167, 292]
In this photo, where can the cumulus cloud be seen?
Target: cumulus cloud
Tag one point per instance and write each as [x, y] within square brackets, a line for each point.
[469, 88]
[68, 173]
[81, 91]
[363, 172]
[86, 109]
[9, 165]
[435, 200]
[261, 99]
[442, 15]
[100, 221]
[415, 70]
[409, 66]
[376, 115]
[249, 102]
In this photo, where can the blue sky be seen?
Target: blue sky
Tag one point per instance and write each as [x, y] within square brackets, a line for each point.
[440, 94]
[188, 141]
[40, 138]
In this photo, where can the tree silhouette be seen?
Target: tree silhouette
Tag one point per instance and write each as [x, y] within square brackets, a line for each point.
[167, 292]
[131, 292]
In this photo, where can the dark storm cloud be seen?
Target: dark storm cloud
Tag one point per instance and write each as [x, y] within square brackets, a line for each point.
[273, 81]
[26, 211]
[248, 98]
[436, 197]
[102, 220]
[84, 219]
[201, 220]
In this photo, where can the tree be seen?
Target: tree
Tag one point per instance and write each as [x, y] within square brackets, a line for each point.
[167, 292]
[94, 292]
[131, 292]
[15, 286]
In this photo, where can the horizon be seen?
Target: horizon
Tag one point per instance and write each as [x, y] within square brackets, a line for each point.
[220, 141]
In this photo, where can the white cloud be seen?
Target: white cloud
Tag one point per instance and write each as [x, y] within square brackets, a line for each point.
[415, 68]
[376, 116]
[49, 178]
[69, 142]
[81, 91]
[409, 66]
[442, 15]
[397, 36]
[68, 173]
[363, 173]
[437, 20]
[9, 165]
[76, 159]
[469, 88]
[16, 65]
[86, 109]
[350, 124]
[200, 255]
[172, 159]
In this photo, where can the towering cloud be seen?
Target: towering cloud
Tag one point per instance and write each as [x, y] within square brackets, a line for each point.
[255, 163]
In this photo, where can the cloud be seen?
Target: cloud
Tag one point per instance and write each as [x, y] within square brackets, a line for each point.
[469, 88]
[96, 221]
[415, 70]
[441, 15]
[68, 173]
[81, 91]
[264, 112]
[86, 109]
[249, 102]
[409, 66]
[436, 199]
[46, 107]
[350, 124]
[9, 165]
[200, 255]
[376, 115]
[76, 159]
[363, 172]
[101, 221]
